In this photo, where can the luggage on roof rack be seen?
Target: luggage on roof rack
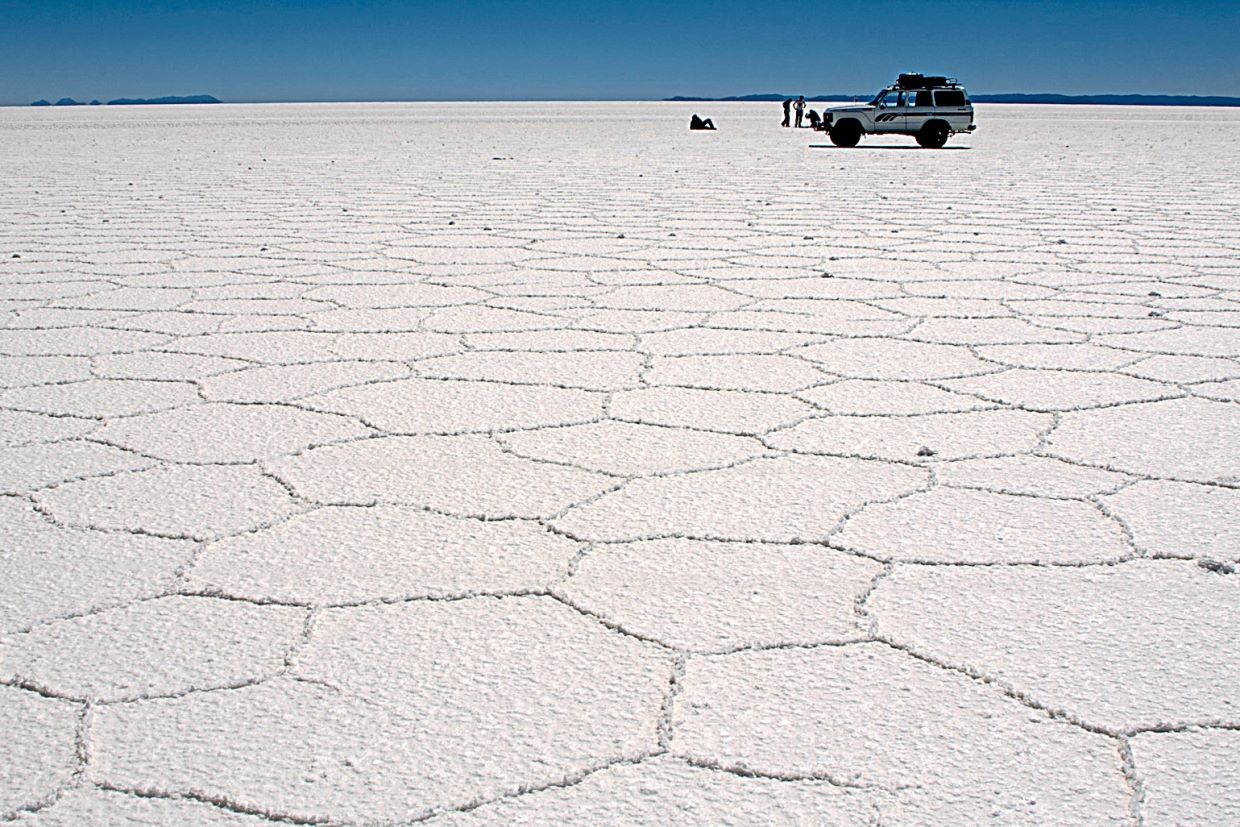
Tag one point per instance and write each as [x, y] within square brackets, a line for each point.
[916, 80]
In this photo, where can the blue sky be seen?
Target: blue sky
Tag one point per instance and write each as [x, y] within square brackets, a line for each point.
[523, 49]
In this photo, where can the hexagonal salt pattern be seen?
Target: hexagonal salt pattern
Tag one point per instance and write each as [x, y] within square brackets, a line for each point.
[781, 500]
[218, 432]
[48, 571]
[192, 501]
[106, 656]
[960, 526]
[537, 691]
[583, 470]
[1177, 519]
[627, 449]
[464, 475]
[1141, 645]
[710, 596]
[1155, 439]
[869, 716]
[347, 554]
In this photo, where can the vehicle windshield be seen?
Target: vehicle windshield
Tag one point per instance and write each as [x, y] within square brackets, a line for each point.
[879, 97]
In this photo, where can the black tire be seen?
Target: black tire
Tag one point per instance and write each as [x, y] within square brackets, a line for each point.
[934, 135]
[846, 133]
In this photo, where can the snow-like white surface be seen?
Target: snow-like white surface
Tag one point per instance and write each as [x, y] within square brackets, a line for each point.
[536, 463]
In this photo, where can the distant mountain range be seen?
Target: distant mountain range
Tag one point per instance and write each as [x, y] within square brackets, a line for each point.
[132, 101]
[1013, 97]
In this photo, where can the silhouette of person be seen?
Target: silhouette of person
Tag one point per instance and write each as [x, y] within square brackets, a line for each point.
[787, 114]
[800, 107]
[697, 123]
[815, 120]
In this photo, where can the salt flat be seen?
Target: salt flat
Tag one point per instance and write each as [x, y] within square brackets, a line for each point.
[493, 463]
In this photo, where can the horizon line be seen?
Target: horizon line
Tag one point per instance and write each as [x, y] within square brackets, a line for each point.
[746, 98]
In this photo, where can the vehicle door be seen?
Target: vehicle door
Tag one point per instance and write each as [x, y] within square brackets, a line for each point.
[953, 106]
[889, 115]
[919, 110]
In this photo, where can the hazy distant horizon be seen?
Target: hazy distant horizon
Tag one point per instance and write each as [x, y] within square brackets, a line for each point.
[383, 50]
[979, 97]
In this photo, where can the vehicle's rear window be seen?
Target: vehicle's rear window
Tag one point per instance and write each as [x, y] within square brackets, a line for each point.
[949, 97]
[923, 99]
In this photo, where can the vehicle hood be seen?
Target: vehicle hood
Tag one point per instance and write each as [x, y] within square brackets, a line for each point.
[849, 108]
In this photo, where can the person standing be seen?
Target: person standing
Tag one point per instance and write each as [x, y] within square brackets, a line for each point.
[800, 106]
[787, 113]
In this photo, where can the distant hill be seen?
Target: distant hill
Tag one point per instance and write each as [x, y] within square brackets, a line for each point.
[1013, 97]
[133, 101]
[166, 100]
[1112, 100]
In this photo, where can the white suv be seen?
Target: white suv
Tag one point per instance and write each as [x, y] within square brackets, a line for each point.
[930, 108]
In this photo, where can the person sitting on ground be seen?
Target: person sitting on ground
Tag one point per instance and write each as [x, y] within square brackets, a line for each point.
[815, 120]
[697, 123]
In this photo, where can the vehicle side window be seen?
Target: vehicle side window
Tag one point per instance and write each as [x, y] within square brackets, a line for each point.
[923, 99]
[893, 99]
[949, 97]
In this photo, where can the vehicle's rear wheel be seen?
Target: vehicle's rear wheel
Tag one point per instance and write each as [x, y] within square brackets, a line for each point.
[933, 135]
[846, 133]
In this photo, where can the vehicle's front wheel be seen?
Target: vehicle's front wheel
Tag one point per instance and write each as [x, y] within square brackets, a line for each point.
[933, 135]
[846, 133]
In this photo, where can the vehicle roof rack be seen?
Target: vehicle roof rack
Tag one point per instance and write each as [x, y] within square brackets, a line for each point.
[916, 80]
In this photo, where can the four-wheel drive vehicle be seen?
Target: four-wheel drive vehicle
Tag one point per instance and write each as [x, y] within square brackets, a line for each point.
[930, 108]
